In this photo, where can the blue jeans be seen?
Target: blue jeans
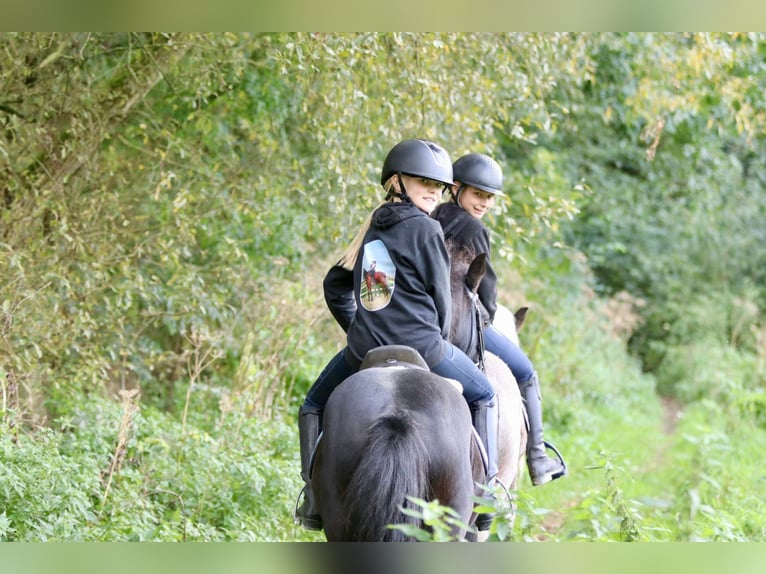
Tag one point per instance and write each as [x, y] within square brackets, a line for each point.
[336, 371]
[455, 365]
[498, 344]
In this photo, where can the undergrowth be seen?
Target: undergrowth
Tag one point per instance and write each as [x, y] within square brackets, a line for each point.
[79, 481]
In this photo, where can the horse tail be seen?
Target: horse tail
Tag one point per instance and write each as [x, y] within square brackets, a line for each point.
[394, 466]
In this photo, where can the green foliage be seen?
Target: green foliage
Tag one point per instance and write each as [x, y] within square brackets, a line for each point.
[170, 203]
[724, 493]
[159, 183]
[437, 521]
[45, 496]
[705, 369]
[675, 209]
[173, 483]
[618, 510]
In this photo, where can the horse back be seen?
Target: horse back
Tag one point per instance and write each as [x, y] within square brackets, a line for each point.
[389, 433]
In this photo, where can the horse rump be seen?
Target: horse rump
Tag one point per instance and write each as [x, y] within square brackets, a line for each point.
[391, 433]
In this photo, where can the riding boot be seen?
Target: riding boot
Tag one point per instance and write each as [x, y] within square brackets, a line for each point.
[485, 419]
[309, 425]
[542, 468]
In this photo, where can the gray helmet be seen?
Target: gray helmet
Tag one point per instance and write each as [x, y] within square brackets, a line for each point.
[420, 158]
[479, 171]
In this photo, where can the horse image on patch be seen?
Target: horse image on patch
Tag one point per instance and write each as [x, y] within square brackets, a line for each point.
[378, 274]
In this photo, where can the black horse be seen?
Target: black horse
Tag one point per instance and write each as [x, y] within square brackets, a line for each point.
[395, 430]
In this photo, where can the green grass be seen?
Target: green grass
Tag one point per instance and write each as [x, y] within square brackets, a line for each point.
[702, 482]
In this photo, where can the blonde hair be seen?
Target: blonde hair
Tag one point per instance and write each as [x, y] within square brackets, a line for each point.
[348, 258]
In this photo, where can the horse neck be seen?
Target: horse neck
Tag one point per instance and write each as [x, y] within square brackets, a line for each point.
[463, 329]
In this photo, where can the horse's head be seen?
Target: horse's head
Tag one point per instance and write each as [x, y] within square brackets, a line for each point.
[509, 324]
[468, 314]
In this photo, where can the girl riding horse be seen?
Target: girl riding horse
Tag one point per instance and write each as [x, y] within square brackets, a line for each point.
[372, 277]
[400, 236]
[478, 180]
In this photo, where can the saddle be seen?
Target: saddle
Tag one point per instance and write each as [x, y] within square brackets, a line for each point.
[406, 357]
[400, 356]
[394, 356]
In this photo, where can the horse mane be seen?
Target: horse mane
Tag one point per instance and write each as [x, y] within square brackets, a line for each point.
[460, 260]
[462, 273]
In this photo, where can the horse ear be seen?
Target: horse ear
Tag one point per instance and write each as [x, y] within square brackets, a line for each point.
[476, 271]
[520, 315]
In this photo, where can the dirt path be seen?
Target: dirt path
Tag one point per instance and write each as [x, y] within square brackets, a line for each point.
[672, 412]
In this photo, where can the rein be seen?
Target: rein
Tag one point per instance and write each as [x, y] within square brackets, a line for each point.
[477, 330]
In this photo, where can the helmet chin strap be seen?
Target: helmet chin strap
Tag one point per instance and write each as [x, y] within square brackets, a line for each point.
[456, 194]
[402, 194]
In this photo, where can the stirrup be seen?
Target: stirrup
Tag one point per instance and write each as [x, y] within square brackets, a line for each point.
[309, 522]
[484, 520]
[561, 460]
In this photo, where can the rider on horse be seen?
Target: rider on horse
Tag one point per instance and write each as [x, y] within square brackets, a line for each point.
[478, 180]
[400, 236]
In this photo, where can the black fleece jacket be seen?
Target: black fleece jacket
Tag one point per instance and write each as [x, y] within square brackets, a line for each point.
[414, 307]
[466, 231]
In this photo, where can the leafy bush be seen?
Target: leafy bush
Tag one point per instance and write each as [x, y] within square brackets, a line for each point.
[169, 483]
[172, 201]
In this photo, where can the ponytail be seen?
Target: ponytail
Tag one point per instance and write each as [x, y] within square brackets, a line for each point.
[348, 259]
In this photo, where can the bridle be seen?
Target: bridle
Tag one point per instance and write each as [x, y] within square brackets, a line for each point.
[477, 329]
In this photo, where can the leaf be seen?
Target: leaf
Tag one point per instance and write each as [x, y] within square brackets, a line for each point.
[5, 526]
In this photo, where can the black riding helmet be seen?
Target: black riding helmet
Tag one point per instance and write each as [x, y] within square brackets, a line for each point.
[419, 158]
[479, 171]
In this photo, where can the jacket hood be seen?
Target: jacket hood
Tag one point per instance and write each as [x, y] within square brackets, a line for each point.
[390, 214]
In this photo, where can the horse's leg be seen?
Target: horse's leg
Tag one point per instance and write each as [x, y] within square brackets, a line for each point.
[328, 488]
[457, 490]
[512, 433]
